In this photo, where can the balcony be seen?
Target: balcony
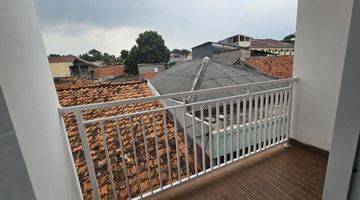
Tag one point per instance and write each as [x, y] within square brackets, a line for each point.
[139, 147]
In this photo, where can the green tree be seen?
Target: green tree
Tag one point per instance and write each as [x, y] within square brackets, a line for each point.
[150, 48]
[124, 54]
[289, 39]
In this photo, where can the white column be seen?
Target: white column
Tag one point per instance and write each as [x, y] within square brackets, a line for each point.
[321, 41]
[347, 122]
[31, 100]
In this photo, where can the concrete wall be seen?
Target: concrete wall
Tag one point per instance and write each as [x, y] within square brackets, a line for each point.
[321, 40]
[31, 101]
[60, 69]
[202, 51]
[14, 179]
[345, 139]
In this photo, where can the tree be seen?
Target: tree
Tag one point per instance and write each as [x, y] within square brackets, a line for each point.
[92, 56]
[150, 48]
[183, 52]
[124, 54]
[289, 39]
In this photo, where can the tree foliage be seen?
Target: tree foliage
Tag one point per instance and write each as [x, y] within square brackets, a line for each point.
[150, 48]
[289, 39]
[183, 52]
[95, 55]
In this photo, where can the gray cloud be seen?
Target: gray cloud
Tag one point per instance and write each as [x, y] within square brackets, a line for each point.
[183, 23]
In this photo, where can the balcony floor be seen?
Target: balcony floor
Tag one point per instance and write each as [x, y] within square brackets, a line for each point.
[297, 172]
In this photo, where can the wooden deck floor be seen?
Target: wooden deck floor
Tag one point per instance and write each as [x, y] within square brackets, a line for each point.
[296, 172]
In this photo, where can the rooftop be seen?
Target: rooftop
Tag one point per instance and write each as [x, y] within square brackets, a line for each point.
[195, 75]
[275, 66]
[68, 58]
[154, 133]
[267, 43]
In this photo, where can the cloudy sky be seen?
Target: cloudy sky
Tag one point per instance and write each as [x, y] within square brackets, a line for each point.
[76, 26]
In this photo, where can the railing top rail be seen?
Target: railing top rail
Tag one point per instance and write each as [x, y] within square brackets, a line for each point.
[79, 108]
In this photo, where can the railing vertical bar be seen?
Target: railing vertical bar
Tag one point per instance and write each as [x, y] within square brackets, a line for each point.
[177, 147]
[237, 127]
[225, 131]
[108, 160]
[210, 137]
[123, 157]
[243, 142]
[194, 139]
[157, 150]
[185, 139]
[231, 129]
[218, 133]
[202, 137]
[167, 147]
[135, 154]
[288, 124]
[284, 113]
[256, 122]
[266, 135]
[276, 138]
[87, 155]
[261, 134]
[250, 125]
[147, 157]
[271, 112]
[281, 110]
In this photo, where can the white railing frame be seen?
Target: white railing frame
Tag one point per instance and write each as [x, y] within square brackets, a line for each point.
[270, 132]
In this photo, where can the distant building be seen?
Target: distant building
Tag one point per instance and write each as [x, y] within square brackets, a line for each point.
[208, 49]
[70, 66]
[264, 45]
[150, 70]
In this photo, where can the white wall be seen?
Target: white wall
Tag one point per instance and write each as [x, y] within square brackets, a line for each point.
[321, 40]
[347, 122]
[31, 100]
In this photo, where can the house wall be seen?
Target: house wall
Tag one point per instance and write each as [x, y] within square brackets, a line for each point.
[60, 69]
[202, 51]
[31, 101]
[278, 51]
[321, 40]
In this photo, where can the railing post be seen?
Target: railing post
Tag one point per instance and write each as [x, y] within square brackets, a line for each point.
[87, 154]
[288, 124]
[185, 138]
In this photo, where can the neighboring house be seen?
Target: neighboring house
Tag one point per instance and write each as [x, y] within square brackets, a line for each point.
[265, 45]
[208, 49]
[109, 72]
[275, 66]
[70, 66]
[150, 70]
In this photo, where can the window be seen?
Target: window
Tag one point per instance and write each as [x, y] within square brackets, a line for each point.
[242, 38]
[235, 39]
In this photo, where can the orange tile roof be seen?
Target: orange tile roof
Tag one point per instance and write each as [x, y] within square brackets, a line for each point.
[276, 66]
[101, 72]
[87, 95]
[73, 82]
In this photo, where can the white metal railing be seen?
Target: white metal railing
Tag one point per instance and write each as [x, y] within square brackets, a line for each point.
[156, 148]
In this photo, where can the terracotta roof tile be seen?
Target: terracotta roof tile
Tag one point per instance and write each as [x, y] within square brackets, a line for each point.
[101, 72]
[276, 66]
[95, 94]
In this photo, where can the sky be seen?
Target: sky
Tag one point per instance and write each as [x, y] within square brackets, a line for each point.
[77, 26]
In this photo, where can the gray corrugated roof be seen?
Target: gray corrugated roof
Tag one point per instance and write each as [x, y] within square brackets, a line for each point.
[181, 76]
